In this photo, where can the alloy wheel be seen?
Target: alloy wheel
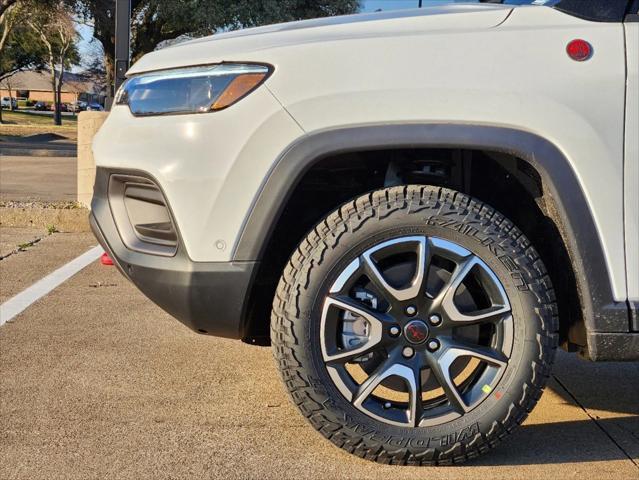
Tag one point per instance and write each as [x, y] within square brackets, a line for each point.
[416, 331]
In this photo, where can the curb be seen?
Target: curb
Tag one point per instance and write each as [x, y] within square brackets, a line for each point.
[37, 152]
[64, 219]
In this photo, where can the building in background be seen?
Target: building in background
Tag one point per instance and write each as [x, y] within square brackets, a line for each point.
[37, 87]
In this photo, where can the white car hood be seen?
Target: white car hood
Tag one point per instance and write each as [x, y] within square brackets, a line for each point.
[253, 44]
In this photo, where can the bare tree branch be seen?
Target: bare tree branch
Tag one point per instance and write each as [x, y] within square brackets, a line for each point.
[6, 23]
[56, 30]
[5, 4]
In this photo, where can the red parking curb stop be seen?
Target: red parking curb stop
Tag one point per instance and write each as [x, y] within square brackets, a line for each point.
[105, 259]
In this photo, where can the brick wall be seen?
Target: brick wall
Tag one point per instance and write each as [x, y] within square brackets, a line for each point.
[43, 96]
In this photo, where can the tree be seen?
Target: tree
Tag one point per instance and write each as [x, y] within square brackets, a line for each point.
[7, 21]
[55, 28]
[20, 49]
[252, 13]
[5, 5]
[155, 21]
[95, 73]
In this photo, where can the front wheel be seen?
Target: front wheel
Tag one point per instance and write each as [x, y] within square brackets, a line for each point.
[415, 325]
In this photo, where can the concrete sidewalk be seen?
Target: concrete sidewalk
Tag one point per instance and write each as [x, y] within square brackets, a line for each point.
[97, 382]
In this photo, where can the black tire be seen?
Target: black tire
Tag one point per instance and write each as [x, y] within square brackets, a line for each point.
[385, 214]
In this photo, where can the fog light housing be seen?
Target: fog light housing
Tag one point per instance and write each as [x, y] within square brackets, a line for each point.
[141, 215]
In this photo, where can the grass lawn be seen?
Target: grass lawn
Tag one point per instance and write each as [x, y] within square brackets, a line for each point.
[23, 123]
[26, 118]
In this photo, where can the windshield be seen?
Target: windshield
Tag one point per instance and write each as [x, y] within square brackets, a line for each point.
[522, 2]
[376, 5]
[593, 10]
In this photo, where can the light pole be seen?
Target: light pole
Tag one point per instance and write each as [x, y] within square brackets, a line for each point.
[420, 3]
[122, 40]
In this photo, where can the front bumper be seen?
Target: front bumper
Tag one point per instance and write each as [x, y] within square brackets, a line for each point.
[208, 297]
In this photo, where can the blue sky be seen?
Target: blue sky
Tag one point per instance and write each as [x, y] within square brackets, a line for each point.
[88, 49]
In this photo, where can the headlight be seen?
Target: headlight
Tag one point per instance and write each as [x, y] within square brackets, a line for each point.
[190, 90]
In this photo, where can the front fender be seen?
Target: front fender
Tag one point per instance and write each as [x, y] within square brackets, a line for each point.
[601, 312]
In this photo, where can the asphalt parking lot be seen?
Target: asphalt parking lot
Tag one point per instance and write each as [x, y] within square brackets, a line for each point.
[97, 382]
[27, 178]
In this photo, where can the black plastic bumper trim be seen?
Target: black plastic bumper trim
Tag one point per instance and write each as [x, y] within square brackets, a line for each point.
[613, 347]
[208, 297]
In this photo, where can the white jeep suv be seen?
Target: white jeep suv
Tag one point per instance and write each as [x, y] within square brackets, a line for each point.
[415, 208]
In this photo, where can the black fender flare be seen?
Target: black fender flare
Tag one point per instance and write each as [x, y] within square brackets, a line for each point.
[601, 312]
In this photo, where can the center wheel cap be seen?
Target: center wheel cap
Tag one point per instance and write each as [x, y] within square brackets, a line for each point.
[416, 332]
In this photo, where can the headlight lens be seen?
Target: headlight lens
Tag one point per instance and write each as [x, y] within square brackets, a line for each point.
[191, 90]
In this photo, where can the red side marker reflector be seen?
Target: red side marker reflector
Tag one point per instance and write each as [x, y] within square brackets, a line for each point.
[579, 50]
[105, 259]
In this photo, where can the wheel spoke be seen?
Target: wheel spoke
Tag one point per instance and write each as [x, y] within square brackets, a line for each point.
[441, 371]
[373, 381]
[417, 283]
[375, 321]
[417, 406]
[492, 314]
[358, 308]
[440, 366]
[389, 368]
[459, 348]
[447, 293]
[445, 300]
[346, 356]
[345, 280]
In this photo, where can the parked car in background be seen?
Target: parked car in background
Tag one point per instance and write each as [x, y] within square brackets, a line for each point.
[95, 107]
[78, 106]
[41, 106]
[9, 102]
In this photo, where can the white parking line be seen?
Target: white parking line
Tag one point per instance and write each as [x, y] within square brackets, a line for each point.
[24, 299]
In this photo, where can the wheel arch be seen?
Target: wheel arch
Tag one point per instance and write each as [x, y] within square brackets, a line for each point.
[569, 208]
